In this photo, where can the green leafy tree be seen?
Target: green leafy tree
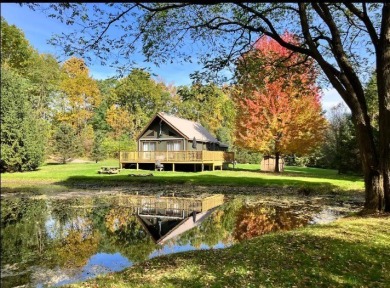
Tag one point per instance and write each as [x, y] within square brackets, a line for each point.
[371, 91]
[16, 51]
[65, 142]
[141, 97]
[98, 151]
[22, 144]
[209, 105]
[342, 140]
[44, 74]
[99, 116]
[246, 156]
[41, 71]
[340, 150]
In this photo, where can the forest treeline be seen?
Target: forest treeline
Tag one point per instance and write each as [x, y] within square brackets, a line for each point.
[58, 110]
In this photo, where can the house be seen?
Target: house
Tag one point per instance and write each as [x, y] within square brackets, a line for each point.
[177, 144]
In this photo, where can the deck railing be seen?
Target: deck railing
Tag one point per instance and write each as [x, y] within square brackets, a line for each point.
[169, 206]
[176, 156]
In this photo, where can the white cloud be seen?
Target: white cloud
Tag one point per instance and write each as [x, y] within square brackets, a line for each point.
[330, 99]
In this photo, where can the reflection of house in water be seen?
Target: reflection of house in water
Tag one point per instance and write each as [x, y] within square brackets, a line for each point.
[167, 217]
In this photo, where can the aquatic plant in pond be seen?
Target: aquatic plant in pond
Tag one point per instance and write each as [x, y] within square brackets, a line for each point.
[55, 242]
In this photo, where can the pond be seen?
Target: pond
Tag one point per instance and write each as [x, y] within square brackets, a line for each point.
[53, 242]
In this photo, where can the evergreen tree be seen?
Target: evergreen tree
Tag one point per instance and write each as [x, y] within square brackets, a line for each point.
[22, 142]
[340, 151]
[98, 151]
[65, 142]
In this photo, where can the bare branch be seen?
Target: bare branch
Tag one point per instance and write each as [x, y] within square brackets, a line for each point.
[108, 26]
[273, 33]
[363, 16]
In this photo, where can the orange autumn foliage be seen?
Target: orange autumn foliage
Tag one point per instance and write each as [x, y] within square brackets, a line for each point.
[278, 101]
[253, 221]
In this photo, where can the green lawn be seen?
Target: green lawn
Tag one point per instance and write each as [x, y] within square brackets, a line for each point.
[73, 175]
[351, 252]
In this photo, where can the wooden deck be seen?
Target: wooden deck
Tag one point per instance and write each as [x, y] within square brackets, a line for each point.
[170, 207]
[204, 157]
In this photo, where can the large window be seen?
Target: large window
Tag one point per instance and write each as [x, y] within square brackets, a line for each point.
[174, 145]
[148, 148]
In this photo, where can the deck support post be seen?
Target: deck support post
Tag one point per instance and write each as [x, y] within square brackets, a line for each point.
[202, 167]
[173, 167]
[137, 166]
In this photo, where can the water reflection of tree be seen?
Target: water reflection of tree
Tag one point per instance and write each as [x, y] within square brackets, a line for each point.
[216, 228]
[23, 236]
[258, 220]
[127, 235]
[76, 238]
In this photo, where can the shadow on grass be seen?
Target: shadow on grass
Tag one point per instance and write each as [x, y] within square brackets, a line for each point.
[220, 184]
[305, 172]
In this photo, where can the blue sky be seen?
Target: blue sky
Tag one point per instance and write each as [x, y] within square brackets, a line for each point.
[38, 29]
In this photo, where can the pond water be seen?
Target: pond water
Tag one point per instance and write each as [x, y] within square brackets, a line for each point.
[52, 242]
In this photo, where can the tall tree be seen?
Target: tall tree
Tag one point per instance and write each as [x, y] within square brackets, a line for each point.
[98, 151]
[22, 147]
[65, 142]
[141, 97]
[40, 72]
[209, 105]
[333, 34]
[16, 51]
[340, 150]
[278, 110]
[80, 94]
[44, 74]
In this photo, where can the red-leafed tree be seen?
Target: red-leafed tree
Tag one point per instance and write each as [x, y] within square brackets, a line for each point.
[278, 103]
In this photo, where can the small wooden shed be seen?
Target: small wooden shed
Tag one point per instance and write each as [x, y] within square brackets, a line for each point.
[268, 164]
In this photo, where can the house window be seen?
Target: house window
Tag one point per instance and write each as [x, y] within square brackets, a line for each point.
[174, 145]
[149, 146]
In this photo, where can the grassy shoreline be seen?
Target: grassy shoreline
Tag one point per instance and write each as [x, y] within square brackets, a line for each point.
[350, 252]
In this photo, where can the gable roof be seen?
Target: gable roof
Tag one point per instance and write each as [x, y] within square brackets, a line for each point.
[188, 129]
[173, 229]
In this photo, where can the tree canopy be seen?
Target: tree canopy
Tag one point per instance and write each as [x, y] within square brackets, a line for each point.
[279, 110]
[332, 34]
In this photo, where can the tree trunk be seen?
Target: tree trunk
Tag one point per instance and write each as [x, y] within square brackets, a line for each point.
[373, 177]
[383, 85]
[373, 182]
[277, 155]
